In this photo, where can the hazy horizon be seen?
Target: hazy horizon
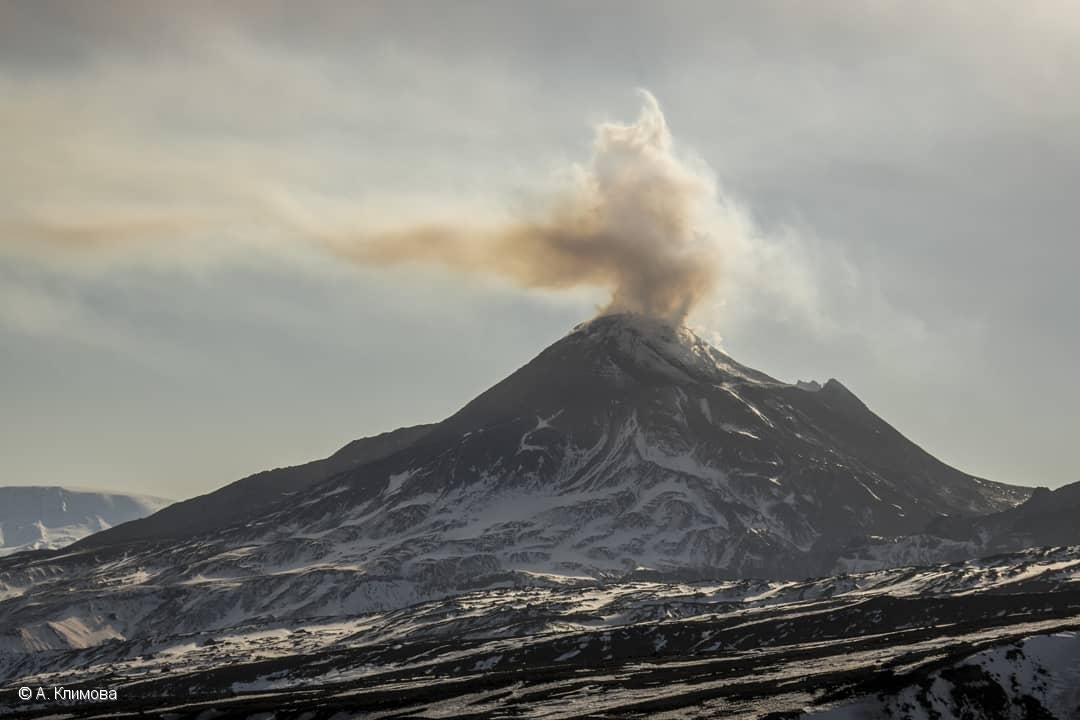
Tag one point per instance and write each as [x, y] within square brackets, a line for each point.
[889, 191]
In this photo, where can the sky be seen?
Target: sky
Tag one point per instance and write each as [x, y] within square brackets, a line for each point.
[892, 192]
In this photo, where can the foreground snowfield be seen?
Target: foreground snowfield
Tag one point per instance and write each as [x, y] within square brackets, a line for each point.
[848, 646]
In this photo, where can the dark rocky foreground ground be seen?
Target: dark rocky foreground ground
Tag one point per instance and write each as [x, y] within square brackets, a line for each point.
[742, 649]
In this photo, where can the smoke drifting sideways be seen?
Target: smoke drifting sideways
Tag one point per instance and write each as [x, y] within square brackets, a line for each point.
[635, 220]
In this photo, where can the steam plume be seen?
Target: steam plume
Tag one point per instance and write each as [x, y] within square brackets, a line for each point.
[631, 222]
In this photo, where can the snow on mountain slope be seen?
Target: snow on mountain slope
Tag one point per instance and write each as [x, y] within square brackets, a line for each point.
[36, 518]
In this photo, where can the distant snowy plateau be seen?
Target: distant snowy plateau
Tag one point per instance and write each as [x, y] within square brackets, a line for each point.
[633, 525]
[48, 518]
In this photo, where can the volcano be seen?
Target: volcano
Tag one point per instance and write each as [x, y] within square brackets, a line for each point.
[628, 446]
[631, 446]
[628, 449]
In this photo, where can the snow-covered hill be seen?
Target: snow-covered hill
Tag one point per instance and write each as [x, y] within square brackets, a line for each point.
[36, 518]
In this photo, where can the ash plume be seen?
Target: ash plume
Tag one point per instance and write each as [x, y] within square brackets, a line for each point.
[632, 222]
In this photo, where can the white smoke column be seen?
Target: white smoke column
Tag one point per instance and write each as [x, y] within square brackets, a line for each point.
[634, 221]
